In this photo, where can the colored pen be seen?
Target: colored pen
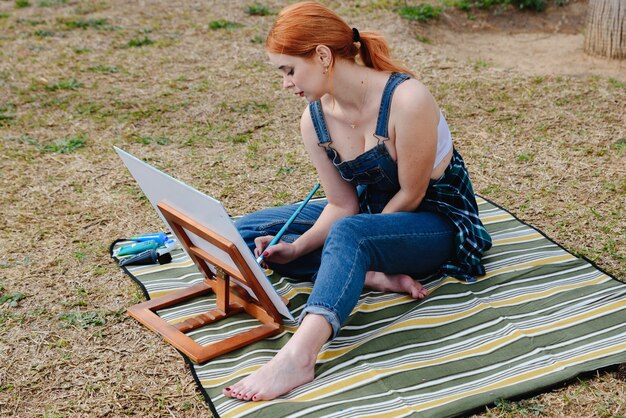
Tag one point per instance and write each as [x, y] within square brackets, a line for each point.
[289, 222]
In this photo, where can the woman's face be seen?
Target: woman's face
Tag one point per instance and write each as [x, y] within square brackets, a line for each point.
[304, 76]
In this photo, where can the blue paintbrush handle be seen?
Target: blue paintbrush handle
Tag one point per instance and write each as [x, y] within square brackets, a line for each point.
[289, 222]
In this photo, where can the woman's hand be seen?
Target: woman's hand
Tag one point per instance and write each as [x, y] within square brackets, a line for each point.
[281, 252]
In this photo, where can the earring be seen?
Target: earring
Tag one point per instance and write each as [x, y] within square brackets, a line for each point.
[325, 70]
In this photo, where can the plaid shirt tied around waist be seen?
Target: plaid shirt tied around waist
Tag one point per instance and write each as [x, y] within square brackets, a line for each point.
[453, 196]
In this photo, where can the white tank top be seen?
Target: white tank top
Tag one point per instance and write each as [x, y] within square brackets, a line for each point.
[444, 140]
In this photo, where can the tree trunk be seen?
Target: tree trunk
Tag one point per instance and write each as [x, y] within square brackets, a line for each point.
[606, 28]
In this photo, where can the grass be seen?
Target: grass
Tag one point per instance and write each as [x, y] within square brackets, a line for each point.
[105, 69]
[69, 84]
[209, 110]
[83, 319]
[525, 408]
[224, 24]
[139, 42]
[12, 300]
[66, 145]
[616, 83]
[421, 13]
[257, 40]
[469, 5]
[100, 24]
[258, 10]
[424, 39]
[481, 64]
[534, 5]
[82, 50]
[43, 33]
[51, 3]
[147, 139]
[6, 119]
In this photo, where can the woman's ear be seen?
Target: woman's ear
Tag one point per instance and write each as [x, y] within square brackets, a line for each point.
[324, 54]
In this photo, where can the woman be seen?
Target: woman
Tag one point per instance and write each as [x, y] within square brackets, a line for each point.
[400, 205]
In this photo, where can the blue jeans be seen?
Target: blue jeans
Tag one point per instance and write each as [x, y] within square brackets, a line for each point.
[269, 221]
[413, 243]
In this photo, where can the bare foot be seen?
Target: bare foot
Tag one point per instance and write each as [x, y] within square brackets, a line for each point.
[284, 372]
[293, 365]
[400, 283]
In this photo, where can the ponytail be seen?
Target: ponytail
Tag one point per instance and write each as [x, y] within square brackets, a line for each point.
[374, 53]
[301, 27]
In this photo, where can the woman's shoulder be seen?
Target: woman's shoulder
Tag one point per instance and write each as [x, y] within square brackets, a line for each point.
[413, 94]
[305, 118]
[307, 129]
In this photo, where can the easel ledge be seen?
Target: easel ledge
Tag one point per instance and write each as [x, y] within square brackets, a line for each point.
[230, 297]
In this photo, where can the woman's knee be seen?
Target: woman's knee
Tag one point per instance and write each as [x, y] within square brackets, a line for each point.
[261, 220]
[252, 225]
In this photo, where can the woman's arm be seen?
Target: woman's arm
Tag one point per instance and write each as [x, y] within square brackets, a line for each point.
[341, 196]
[415, 117]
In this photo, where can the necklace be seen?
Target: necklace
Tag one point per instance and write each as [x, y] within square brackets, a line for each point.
[353, 124]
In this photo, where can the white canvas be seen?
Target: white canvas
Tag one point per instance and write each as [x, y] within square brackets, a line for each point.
[209, 212]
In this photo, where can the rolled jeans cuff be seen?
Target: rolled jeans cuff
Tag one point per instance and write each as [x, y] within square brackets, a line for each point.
[327, 313]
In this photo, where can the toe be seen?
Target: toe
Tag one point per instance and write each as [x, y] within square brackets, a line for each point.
[246, 396]
[234, 392]
[258, 397]
[241, 394]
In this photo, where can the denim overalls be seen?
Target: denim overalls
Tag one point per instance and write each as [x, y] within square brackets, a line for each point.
[438, 236]
[374, 173]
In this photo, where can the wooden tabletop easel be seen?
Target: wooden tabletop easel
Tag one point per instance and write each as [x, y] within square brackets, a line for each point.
[231, 298]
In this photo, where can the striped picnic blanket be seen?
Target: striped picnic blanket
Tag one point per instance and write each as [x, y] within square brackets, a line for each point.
[538, 317]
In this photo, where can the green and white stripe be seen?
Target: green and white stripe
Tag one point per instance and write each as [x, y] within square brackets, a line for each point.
[539, 316]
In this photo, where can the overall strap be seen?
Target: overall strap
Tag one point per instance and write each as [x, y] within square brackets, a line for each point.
[395, 79]
[315, 108]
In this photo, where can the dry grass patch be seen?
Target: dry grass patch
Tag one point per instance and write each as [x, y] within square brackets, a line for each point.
[202, 104]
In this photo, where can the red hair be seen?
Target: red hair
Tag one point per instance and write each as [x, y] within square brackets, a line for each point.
[301, 27]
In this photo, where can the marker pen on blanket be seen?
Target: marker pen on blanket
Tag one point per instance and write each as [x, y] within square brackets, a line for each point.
[160, 237]
[151, 255]
[259, 259]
